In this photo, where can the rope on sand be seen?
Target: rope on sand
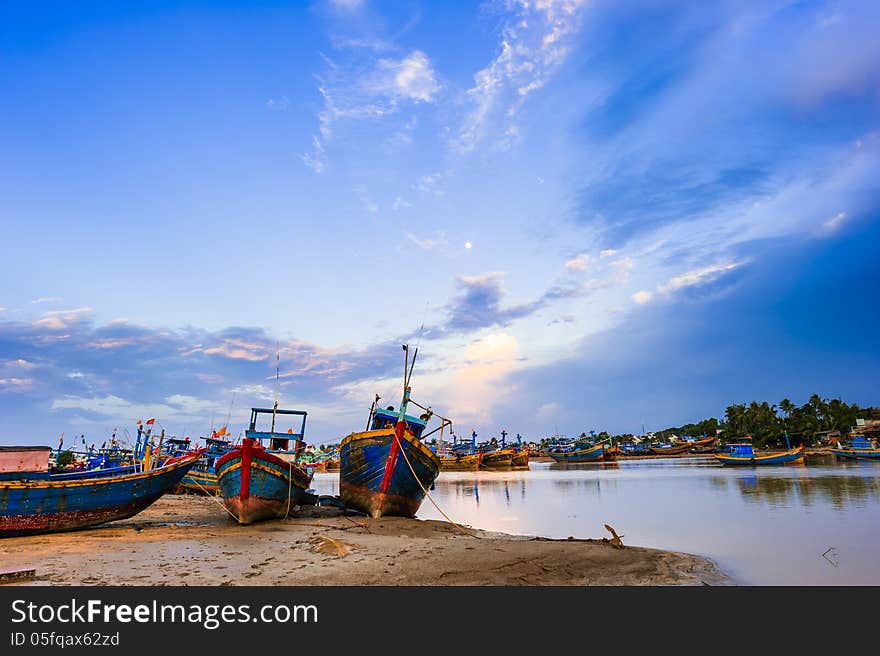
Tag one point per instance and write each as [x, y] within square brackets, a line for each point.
[427, 494]
[214, 498]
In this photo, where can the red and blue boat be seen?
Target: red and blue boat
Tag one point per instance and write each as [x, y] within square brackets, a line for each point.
[577, 453]
[32, 500]
[386, 469]
[260, 481]
[859, 448]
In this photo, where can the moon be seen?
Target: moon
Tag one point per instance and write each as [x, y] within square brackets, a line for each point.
[467, 244]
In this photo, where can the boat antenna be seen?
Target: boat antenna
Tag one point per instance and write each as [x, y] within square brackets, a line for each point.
[277, 368]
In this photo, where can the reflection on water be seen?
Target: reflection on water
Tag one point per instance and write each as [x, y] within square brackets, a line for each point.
[762, 525]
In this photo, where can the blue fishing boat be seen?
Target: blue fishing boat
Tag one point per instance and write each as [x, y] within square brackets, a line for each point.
[260, 481]
[744, 454]
[202, 478]
[579, 453]
[859, 448]
[37, 501]
[386, 469]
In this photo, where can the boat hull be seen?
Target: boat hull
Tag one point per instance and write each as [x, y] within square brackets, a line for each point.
[857, 454]
[520, 459]
[201, 482]
[591, 454]
[671, 451]
[461, 463]
[257, 485]
[49, 506]
[500, 459]
[792, 455]
[376, 472]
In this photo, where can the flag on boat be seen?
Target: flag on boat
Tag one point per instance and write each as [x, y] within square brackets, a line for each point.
[151, 421]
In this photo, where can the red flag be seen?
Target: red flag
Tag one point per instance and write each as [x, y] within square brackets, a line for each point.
[151, 421]
[139, 422]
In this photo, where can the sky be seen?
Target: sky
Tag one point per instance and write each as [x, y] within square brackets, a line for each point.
[601, 215]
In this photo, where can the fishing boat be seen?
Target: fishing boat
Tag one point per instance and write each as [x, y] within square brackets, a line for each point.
[497, 458]
[520, 457]
[577, 453]
[460, 455]
[859, 448]
[744, 454]
[386, 469]
[202, 478]
[32, 500]
[263, 481]
[704, 445]
[670, 449]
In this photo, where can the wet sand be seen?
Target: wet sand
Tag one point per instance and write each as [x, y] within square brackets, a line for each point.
[190, 540]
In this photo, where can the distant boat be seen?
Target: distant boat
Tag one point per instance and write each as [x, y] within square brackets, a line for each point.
[704, 445]
[386, 469]
[520, 458]
[34, 501]
[859, 447]
[258, 481]
[743, 454]
[202, 478]
[460, 455]
[497, 458]
[670, 449]
[591, 453]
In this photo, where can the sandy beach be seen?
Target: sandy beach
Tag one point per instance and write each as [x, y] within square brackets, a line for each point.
[190, 540]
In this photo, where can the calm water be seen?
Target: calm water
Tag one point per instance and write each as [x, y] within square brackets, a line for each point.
[761, 525]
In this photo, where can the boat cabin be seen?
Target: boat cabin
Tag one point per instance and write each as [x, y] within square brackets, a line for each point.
[24, 462]
[740, 450]
[387, 418]
[272, 439]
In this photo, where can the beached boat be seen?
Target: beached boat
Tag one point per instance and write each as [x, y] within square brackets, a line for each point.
[704, 445]
[576, 453]
[386, 469]
[520, 458]
[743, 454]
[260, 481]
[36, 501]
[670, 449]
[202, 478]
[859, 448]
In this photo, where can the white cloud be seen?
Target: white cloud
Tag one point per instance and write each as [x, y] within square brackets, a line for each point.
[46, 299]
[697, 277]
[536, 40]
[367, 201]
[428, 244]
[63, 319]
[582, 262]
[608, 252]
[832, 224]
[347, 5]
[641, 297]
[15, 384]
[411, 78]
[400, 203]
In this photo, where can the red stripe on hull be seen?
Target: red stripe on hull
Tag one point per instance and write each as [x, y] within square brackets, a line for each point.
[12, 526]
[392, 457]
[246, 452]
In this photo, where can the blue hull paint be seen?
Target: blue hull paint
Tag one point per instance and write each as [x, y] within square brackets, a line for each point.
[794, 455]
[273, 486]
[40, 506]
[364, 461]
[858, 454]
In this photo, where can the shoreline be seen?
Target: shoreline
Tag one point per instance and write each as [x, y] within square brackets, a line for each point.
[190, 540]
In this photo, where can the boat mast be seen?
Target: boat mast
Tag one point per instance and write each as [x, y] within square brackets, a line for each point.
[275, 406]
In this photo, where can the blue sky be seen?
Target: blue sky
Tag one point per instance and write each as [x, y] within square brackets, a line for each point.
[605, 214]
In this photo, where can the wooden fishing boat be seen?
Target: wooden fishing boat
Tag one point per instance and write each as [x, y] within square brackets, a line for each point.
[386, 469]
[202, 478]
[859, 448]
[38, 502]
[497, 459]
[670, 450]
[743, 454]
[520, 458]
[703, 445]
[258, 481]
[591, 453]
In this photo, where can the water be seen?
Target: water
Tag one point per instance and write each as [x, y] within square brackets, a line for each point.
[761, 525]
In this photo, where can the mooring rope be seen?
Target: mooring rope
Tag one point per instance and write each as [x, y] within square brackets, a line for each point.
[214, 498]
[427, 494]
